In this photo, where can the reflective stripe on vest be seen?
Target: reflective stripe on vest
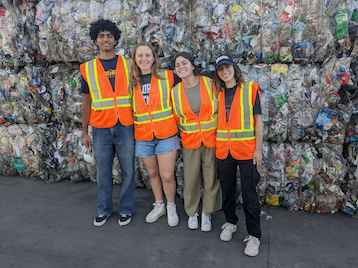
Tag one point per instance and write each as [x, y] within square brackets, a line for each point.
[97, 102]
[156, 116]
[166, 111]
[141, 118]
[236, 135]
[247, 112]
[164, 94]
[125, 101]
[193, 127]
[210, 92]
[247, 131]
[209, 125]
[125, 64]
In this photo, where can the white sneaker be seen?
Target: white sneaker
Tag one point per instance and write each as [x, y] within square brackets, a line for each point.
[252, 246]
[193, 222]
[157, 211]
[173, 218]
[205, 222]
[227, 230]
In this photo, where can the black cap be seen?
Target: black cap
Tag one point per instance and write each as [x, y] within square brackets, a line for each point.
[223, 59]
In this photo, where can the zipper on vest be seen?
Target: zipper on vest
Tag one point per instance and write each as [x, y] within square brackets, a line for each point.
[228, 136]
[115, 105]
[199, 125]
[151, 121]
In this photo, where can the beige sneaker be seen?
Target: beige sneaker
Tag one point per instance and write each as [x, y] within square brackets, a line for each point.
[205, 222]
[227, 230]
[193, 222]
[252, 246]
[173, 218]
[157, 211]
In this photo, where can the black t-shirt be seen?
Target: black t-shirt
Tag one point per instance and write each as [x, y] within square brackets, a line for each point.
[229, 97]
[145, 85]
[109, 67]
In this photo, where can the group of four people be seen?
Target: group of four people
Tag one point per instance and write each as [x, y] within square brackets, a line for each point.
[135, 109]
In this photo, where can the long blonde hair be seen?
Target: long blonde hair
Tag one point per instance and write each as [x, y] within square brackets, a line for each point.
[136, 73]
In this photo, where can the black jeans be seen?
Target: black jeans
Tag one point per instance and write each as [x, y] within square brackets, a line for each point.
[249, 178]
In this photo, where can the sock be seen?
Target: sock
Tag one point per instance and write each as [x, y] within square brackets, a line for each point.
[171, 203]
[159, 201]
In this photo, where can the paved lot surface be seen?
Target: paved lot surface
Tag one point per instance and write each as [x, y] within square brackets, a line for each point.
[51, 225]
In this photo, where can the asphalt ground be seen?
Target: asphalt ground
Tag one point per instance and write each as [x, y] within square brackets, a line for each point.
[51, 225]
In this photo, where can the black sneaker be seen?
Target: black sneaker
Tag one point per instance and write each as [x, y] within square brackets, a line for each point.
[100, 220]
[124, 219]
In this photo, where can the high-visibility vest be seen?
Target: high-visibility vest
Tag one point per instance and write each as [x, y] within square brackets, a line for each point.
[195, 130]
[157, 118]
[238, 134]
[108, 106]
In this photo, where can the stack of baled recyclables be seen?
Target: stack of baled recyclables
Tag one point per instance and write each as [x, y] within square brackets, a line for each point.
[302, 53]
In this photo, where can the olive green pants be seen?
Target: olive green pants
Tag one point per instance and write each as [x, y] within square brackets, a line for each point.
[200, 170]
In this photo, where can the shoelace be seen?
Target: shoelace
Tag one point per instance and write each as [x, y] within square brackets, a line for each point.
[171, 210]
[194, 218]
[206, 218]
[226, 226]
[251, 239]
[206, 221]
[156, 207]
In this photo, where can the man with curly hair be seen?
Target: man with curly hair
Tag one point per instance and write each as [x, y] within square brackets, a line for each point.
[106, 107]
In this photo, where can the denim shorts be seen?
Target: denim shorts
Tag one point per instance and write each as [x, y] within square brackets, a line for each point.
[156, 146]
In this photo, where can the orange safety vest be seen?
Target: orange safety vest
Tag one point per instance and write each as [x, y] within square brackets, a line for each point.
[108, 107]
[238, 134]
[157, 118]
[196, 130]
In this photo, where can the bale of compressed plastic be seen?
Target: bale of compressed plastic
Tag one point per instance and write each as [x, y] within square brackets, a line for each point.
[7, 167]
[270, 32]
[308, 106]
[286, 12]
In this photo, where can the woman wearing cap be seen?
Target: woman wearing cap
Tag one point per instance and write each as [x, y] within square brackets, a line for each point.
[195, 106]
[238, 142]
[155, 129]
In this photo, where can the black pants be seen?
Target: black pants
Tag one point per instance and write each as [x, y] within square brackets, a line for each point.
[249, 178]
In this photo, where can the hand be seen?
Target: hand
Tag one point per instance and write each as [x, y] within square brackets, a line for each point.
[86, 140]
[257, 159]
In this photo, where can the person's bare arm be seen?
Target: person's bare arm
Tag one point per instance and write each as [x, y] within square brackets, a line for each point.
[259, 132]
[86, 112]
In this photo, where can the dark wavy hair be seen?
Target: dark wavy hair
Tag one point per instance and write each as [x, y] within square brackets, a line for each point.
[104, 25]
[220, 84]
[190, 58]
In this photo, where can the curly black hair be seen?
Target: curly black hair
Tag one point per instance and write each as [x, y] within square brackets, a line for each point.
[104, 25]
